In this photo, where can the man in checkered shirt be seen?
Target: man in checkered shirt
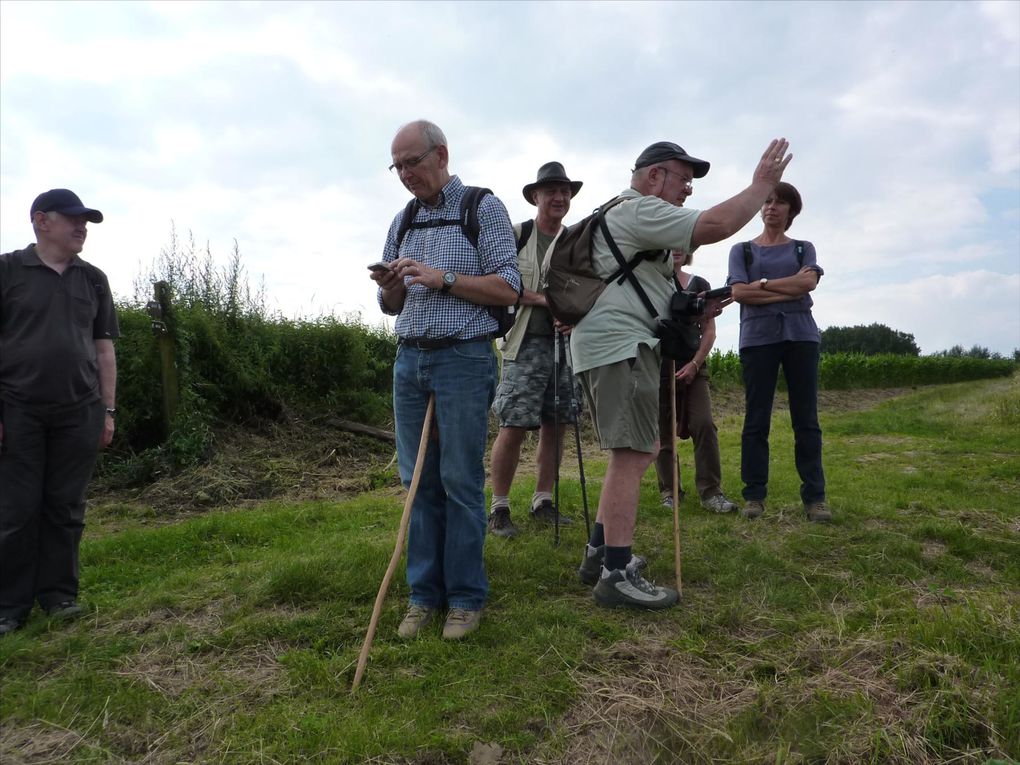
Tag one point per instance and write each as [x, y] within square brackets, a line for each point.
[439, 286]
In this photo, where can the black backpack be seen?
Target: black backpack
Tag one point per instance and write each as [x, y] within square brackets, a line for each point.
[571, 284]
[468, 222]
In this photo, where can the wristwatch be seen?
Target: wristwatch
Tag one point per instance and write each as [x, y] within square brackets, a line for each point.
[449, 279]
[763, 282]
[112, 412]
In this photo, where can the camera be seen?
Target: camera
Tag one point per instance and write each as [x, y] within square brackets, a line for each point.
[680, 335]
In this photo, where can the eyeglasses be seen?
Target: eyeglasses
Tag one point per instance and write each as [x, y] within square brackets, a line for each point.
[410, 164]
[685, 182]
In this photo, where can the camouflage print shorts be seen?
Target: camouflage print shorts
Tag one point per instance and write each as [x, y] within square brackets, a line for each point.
[526, 396]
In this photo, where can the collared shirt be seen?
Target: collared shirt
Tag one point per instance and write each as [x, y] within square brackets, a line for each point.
[789, 320]
[430, 313]
[49, 323]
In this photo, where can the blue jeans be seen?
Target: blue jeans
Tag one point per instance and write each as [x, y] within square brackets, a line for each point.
[760, 365]
[447, 529]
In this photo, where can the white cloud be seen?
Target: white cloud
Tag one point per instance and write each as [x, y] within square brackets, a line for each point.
[270, 124]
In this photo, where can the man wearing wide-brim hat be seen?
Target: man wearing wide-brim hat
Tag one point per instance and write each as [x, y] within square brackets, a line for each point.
[526, 397]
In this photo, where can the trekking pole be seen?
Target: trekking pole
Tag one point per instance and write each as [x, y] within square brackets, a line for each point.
[556, 435]
[575, 410]
[398, 548]
[676, 477]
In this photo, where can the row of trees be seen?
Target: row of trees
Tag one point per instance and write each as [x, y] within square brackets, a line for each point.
[877, 339]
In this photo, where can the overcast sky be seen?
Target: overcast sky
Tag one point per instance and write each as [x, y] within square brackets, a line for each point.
[270, 123]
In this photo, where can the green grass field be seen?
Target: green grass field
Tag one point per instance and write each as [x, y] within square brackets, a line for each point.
[890, 636]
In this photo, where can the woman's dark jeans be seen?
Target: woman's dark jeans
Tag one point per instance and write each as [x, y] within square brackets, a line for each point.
[760, 365]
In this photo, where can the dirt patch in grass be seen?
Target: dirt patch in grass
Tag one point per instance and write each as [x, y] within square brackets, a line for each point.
[304, 460]
[646, 702]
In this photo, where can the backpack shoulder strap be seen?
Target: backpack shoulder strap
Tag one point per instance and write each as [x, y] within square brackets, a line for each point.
[473, 196]
[799, 247]
[748, 257]
[626, 268]
[526, 228]
[405, 223]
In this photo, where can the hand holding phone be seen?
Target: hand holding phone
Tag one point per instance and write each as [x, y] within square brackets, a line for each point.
[378, 266]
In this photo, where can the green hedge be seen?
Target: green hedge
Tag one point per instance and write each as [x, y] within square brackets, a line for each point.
[844, 371]
[242, 369]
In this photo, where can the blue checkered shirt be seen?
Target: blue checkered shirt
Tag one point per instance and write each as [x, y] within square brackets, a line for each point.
[429, 313]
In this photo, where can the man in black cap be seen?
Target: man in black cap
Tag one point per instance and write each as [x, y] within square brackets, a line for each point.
[526, 397]
[58, 377]
[616, 352]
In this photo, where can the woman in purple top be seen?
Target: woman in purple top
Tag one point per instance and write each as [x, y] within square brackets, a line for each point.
[772, 278]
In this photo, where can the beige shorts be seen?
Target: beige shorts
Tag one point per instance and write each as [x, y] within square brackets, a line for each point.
[624, 402]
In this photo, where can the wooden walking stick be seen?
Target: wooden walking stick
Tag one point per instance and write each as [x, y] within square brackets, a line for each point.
[676, 477]
[398, 548]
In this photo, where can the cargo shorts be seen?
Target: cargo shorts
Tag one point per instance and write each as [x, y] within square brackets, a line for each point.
[526, 395]
[624, 400]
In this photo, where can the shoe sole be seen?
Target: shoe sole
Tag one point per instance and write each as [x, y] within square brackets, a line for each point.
[615, 601]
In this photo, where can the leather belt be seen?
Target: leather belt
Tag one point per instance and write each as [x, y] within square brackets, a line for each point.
[435, 344]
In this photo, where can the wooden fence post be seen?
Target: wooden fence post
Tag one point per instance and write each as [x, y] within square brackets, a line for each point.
[161, 311]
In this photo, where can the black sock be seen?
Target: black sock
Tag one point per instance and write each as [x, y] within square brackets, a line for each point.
[598, 535]
[617, 557]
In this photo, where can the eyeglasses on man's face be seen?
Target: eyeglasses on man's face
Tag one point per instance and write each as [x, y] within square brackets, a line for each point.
[684, 182]
[410, 164]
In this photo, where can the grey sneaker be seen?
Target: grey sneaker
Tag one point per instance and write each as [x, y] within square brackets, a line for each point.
[65, 609]
[546, 513]
[667, 497]
[752, 508]
[500, 524]
[591, 567]
[416, 619]
[719, 504]
[9, 624]
[461, 622]
[818, 512]
[627, 588]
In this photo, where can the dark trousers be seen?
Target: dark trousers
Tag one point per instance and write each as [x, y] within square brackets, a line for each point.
[46, 461]
[694, 407]
[760, 365]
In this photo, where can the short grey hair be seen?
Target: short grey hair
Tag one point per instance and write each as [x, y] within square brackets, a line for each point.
[431, 133]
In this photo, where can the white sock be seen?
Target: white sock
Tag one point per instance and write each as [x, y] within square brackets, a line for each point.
[538, 497]
[500, 502]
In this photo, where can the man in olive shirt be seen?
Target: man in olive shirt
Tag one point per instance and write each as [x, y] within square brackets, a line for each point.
[58, 378]
[527, 393]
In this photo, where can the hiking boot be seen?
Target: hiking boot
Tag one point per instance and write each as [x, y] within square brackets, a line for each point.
[9, 624]
[546, 513]
[752, 508]
[500, 524]
[818, 512]
[719, 504]
[591, 567]
[627, 588]
[461, 622]
[416, 618]
[65, 609]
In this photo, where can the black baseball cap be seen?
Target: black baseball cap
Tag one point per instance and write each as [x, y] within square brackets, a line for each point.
[66, 202]
[666, 150]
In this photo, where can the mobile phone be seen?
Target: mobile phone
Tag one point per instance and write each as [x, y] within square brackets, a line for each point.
[378, 266]
[719, 292]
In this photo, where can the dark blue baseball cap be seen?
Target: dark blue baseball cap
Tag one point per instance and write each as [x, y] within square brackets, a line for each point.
[66, 202]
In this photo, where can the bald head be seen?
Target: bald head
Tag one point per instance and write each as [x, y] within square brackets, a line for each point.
[420, 158]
